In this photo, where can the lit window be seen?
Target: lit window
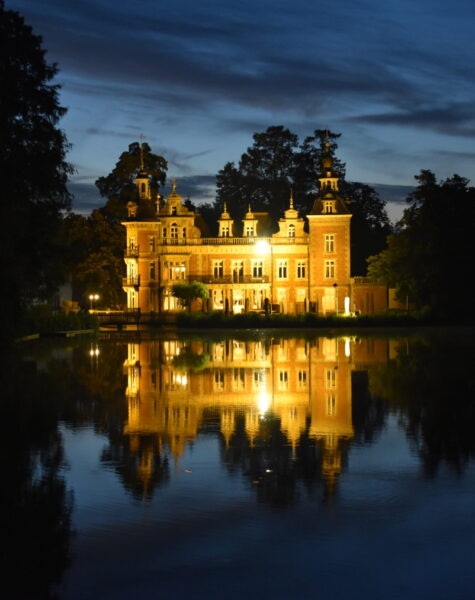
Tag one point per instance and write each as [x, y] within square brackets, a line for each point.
[330, 243]
[329, 269]
[302, 379]
[257, 268]
[291, 230]
[218, 269]
[219, 381]
[282, 269]
[239, 381]
[283, 379]
[330, 405]
[238, 270]
[301, 269]
[330, 378]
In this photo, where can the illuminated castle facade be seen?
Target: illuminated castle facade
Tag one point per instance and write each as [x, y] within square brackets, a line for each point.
[291, 271]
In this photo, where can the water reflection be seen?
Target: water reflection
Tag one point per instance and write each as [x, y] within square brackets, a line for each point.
[283, 407]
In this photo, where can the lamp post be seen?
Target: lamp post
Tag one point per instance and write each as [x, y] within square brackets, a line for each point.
[93, 298]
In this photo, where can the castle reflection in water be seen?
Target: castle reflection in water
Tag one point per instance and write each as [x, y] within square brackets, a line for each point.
[176, 387]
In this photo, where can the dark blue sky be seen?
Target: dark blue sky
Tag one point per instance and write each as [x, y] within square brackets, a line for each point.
[396, 78]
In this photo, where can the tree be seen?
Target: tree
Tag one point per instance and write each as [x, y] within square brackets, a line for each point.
[369, 225]
[187, 292]
[33, 168]
[264, 176]
[427, 257]
[276, 163]
[119, 187]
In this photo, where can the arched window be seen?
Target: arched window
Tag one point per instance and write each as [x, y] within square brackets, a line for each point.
[174, 231]
[291, 230]
[143, 188]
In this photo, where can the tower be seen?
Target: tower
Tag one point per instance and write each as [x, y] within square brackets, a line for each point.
[329, 243]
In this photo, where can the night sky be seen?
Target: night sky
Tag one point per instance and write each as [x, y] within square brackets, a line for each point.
[198, 78]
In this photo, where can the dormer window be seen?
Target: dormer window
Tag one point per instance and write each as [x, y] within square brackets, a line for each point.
[328, 206]
[291, 230]
[173, 210]
[225, 230]
[249, 232]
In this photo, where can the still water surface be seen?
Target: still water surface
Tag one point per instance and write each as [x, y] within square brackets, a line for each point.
[241, 467]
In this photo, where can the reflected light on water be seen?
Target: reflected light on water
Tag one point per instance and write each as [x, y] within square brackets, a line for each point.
[263, 403]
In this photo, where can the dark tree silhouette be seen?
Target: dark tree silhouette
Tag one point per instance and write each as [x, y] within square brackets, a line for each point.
[32, 166]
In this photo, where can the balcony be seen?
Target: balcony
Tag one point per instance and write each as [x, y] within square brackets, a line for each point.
[131, 252]
[131, 281]
[231, 241]
[210, 279]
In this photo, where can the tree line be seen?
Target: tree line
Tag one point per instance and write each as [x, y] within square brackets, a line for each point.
[44, 243]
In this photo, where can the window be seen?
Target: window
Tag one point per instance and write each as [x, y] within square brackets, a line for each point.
[218, 299]
[151, 243]
[144, 189]
[218, 269]
[152, 270]
[174, 270]
[184, 232]
[330, 405]
[173, 210]
[328, 206]
[302, 379]
[329, 269]
[238, 270]
[258, 380]
[283, 379]
[225, 230]
[301, 269]
[282, 269]
[291, 230]
[257, 268]
[174, 231]
[219, 381]
[239, 381]
[330, 242]
[249, 231]
[164, 232]
[132, 243]
[330, 378]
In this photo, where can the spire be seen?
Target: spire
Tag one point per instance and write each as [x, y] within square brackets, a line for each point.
[142, 137]
[225, 207]
[174, 185]
[291, 203]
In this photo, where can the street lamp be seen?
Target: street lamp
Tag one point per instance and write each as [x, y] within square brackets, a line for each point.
[93, 297]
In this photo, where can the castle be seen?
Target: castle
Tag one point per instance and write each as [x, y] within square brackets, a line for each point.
[291, 271]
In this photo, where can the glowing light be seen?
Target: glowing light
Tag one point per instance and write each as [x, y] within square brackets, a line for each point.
[262, 246]
[347, 305]
[263, 403]
[347, 347]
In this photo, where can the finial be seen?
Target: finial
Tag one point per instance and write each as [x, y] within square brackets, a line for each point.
[225, 207]
[291, 198]
[174, 185]
[142, 137]
[249, 208]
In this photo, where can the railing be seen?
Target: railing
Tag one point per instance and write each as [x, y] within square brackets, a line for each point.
[230, 279]
[131, 281]
[231, 241]
[131, 252]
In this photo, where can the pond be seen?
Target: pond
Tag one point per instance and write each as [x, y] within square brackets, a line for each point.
[286, 465]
